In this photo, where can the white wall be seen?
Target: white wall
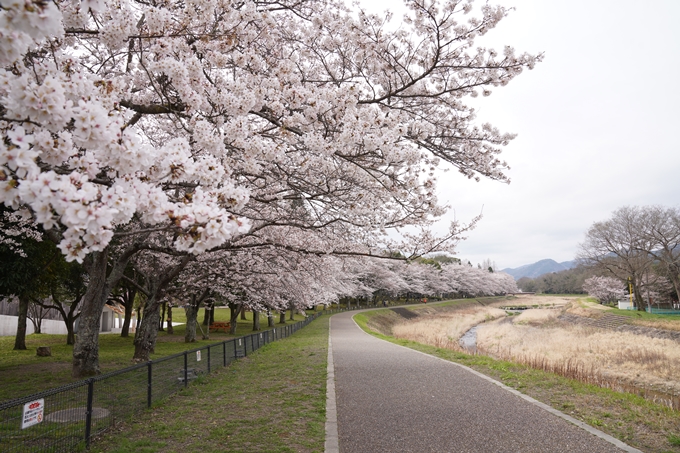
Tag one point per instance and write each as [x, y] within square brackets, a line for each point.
[625, 305]
[8, 326]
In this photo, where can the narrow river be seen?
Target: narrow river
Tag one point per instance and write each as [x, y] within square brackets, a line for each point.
[469, 340]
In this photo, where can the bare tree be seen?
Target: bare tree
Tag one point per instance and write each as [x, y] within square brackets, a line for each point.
[614, 247]
[659, 229]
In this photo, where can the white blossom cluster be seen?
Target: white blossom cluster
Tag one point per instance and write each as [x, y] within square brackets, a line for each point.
[206, 118]
[15, 228]
[68, 156]
[24, 23]
[397, 279]
[604, 289]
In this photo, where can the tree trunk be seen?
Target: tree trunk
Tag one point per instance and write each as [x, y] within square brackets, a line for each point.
[139, 319]
[129, 308]
[235, 310]
[162, 317]
[170, 328]
[20, 338]
[206, 316]
[86, 348]
[243, 313]
[37, 325]
[69, 317]
[256, 320]
[70, 334]
[291, 306]
[282, 316]
[145, 339]
[192, 321]
[637, 296]
[36, 314]
[270, 318]
[674, 275]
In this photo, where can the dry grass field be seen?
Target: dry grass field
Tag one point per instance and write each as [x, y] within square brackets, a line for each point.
[617, 359]
[444, 329]
[591, 354]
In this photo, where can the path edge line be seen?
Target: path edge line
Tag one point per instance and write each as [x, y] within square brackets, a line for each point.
[331, 444]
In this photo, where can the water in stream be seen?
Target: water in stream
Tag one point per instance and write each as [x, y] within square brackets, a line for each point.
[469, 340]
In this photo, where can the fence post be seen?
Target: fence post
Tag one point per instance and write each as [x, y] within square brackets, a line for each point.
[235, 349]
[224, 353]
[88, 412]
[208, 359]
[186, 370]
[149, 383]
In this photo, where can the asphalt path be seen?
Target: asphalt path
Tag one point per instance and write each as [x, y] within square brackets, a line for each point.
[386, 398]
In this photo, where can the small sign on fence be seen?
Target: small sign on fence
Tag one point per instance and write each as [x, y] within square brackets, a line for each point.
[33, 413]
[198, 356]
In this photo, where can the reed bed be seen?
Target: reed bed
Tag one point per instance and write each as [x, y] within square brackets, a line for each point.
[659, 324]
[587, 309]
[617, 360]
[543, 301]
[445, 329]
[536, 316]
[622, 361]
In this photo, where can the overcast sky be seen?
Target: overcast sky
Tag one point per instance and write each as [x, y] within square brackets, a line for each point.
[597, 125]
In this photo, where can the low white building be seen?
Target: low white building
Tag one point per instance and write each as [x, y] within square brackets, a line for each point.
[111, 321]
[626, 304]
[113, 318]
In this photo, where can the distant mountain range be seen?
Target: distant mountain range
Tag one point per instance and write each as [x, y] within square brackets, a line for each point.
[539, 268]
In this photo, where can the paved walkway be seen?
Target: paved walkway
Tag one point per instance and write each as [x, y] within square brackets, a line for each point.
[393, 399]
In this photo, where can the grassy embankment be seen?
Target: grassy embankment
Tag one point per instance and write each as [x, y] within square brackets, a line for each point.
[23, 373]
[271, 401]
[644, 424]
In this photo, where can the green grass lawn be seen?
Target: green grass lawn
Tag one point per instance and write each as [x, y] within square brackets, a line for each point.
[642, 314]
[23, 373]
[271, 401]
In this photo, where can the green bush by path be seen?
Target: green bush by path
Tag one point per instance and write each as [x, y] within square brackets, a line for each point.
[271, 401]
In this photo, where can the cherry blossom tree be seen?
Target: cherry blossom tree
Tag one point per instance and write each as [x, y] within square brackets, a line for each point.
[604, 289]
[24, 262]
[206, 120]
[472, 281]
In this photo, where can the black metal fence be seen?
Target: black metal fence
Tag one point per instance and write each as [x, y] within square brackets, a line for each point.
[66, 418]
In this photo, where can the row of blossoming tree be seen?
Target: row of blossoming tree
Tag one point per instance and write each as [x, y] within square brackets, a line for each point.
[232, 148]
